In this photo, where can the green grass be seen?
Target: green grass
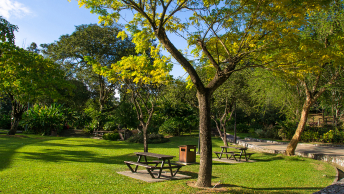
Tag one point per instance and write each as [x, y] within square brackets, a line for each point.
[36, 164]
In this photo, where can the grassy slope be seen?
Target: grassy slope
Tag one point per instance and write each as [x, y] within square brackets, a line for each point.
[36, 164]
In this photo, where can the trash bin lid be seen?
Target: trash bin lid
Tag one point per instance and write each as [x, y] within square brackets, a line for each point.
[186, 145]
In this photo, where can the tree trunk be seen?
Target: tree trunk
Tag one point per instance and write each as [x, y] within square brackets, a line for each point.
[102, 101]
[145, 144]
[205, 169]
[235, 120]
[225, 136]
[16, 115]
[300, 128]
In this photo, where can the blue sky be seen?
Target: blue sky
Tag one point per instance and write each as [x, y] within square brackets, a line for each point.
[44, 21]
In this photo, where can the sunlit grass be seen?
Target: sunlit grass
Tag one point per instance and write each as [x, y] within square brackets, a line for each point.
[36, 164]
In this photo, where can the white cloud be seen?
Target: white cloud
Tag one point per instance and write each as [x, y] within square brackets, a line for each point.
[9, 8]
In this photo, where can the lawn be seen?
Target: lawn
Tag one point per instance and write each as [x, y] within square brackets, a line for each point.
[37, 164]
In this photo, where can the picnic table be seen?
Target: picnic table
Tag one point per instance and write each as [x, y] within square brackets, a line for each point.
[162, 159]
[233, 154]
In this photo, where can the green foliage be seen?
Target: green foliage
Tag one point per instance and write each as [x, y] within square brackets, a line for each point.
[334, 136]
[152, 138]
[44, 119]
[7, 31]
[268, 132]
[111, 136]
[172, 126]
[110, 126]
[5, 121]
[310, 136]
[242, 128]
[286, 129]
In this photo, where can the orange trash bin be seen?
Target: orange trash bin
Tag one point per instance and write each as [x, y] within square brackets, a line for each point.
[187, 153]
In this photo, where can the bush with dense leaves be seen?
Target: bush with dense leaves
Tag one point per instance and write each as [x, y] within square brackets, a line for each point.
[333, 136]
[152, 138]
[45, 119]
[111, 136]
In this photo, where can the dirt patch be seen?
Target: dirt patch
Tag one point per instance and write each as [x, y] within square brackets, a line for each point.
[319, 167]
[215, 188]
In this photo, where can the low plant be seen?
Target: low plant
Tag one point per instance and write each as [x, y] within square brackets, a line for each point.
[44, 119]
[111, 136]
[333, 136]
[152, 138]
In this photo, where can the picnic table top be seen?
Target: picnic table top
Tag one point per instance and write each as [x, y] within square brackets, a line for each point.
[239, 148]
[159, 156]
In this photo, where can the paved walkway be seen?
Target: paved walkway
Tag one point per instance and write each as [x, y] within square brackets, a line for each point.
[319, 152]
[301, 148]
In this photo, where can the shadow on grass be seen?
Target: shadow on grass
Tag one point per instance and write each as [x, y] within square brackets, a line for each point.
[76, 156]
[10, 143]
[235, 189]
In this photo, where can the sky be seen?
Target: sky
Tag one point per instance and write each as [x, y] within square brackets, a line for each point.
[44, 21]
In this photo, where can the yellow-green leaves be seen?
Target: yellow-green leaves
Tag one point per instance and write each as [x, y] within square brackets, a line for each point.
[27, 75]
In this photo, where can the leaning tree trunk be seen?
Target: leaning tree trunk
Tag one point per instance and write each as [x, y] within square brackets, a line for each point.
[205, 169]
[300, 128]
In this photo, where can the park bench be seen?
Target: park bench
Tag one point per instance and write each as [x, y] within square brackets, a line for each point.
[163, 159]
[242, 153]
[100, 133]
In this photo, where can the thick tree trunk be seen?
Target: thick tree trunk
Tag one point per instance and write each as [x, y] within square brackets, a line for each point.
[300, 128]
[16, 115]
[205, 169]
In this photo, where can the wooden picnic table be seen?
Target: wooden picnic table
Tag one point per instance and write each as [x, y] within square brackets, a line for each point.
[163, 159]
[233, 154]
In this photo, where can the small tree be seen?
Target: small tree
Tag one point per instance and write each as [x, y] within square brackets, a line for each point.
[142, 76]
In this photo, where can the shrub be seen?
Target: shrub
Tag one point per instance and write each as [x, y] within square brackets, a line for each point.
[44, 119]
[171, 126]
[310, 136]
[242, 128]
[111, 136]
[286, 129]
[110, 126]
[333, 136]
[152, 138]
[5, 121]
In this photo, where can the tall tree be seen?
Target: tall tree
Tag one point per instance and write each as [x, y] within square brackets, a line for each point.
[7, 31]
[99, 43]
[25, 76]
[229, 35]
[316, 59]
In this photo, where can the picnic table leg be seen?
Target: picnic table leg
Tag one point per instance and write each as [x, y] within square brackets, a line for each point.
[245, 155]
[169, 164]
[138, 160]
[240, 155]
[162, 165]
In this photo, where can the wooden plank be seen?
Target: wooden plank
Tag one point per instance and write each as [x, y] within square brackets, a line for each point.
[159, 156]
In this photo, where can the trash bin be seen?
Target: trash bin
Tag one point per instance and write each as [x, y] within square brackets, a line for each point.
[187, 153]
